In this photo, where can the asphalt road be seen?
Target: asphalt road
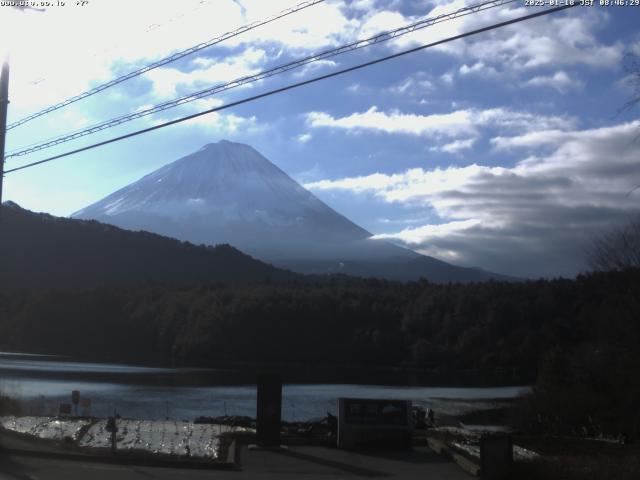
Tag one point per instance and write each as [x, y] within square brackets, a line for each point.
[312, 463]
[29, 468]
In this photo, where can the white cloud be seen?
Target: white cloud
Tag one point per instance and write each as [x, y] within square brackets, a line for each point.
[557, 40]
[167, 80]
[403, 87]
[206, 103]
[456, 146]
[568, 140]
[381, 21]
[479, 68]
[412, 185]
[447, 78]
[76, 47]
[321, 25]
[416, 236]
[142, 108]
[304, 137]
[74, 119]
[148, 30]
[415, 85]
[450, 124]
[312, 67]
[559, 81]
[465, 122]
[228, 123]
[534, 218]
[363, 4]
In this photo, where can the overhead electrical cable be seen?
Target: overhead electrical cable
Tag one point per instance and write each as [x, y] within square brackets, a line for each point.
[112, 47]
[165, 61]
[297, 85]
[378, 38]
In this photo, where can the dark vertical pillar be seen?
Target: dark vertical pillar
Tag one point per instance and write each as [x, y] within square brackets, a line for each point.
[496, 456]
[269, 409]
[4, 105]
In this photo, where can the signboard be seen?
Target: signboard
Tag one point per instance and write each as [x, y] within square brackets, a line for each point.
[374, 423]
[376, 412]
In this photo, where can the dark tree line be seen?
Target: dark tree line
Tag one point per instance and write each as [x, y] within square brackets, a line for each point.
[579, 339]
[482, 325]
[207, 325]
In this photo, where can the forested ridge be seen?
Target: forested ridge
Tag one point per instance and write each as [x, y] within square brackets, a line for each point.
[42, 251]
[480, 325]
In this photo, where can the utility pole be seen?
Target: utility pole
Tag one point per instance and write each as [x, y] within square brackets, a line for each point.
[4, 106]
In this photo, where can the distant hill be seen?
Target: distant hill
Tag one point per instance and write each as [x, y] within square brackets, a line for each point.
[42, 251]
[227, 192]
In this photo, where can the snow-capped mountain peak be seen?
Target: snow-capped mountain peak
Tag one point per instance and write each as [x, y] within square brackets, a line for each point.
[227, 192]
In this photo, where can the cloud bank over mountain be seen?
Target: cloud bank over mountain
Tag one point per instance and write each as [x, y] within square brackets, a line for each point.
[535, 218]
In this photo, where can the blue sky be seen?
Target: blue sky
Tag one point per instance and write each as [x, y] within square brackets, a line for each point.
[506, 150]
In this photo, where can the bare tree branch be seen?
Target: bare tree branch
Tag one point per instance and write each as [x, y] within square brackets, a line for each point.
[618, 249]
[632, 67]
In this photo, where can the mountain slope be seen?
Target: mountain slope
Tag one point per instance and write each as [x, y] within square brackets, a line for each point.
[42, 251]
[400, 269]
[228, 193]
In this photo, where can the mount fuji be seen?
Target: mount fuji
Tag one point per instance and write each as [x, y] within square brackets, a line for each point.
[227, 192]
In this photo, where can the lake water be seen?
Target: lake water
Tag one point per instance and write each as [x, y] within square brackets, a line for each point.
[43, 383]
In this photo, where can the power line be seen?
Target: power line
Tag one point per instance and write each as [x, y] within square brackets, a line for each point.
[166, 60]
[39, 79]
[296, 85]
[378, 38]
[181, 15]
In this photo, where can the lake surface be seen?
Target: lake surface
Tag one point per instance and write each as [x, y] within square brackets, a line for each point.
[43, 383]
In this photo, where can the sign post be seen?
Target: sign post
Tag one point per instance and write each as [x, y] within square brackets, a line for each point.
[112, 428]
[496, 456]
[75, 399]
[269, 409]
